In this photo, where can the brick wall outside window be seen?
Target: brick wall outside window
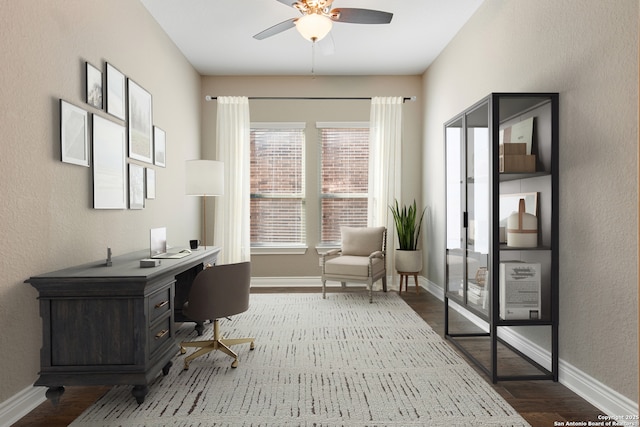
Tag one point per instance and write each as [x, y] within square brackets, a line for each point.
[344, 180]
[277, 186]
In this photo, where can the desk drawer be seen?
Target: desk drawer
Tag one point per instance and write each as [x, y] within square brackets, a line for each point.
[159, 304]
[159, 334]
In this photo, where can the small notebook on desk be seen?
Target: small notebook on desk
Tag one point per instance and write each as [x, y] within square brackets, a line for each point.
[158, 245]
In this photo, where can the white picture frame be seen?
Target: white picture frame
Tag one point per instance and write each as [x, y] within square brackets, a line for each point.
[109, 164]
[74, 134]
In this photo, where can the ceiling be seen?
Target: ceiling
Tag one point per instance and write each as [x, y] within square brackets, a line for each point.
[216, 36]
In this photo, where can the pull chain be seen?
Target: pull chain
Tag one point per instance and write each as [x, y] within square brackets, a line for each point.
[313, 57]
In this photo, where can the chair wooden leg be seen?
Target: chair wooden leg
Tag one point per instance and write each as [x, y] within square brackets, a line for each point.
[324, 289]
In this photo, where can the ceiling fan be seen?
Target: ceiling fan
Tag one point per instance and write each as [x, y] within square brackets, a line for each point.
[318, 18]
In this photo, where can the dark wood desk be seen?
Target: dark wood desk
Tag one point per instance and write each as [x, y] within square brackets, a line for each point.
[113, 325]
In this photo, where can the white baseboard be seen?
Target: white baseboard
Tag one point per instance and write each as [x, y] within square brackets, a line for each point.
[609, 401]
[308, 281]
[21, 404]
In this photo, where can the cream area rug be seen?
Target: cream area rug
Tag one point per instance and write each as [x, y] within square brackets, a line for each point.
[335, 362]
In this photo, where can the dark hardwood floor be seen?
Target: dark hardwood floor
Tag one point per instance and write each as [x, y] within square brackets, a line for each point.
[541, 403]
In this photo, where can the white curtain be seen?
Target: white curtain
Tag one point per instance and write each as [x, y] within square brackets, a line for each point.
[231, 229]
[385, 177]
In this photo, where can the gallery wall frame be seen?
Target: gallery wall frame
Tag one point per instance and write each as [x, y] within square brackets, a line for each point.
[136, 186]
[159, 147]
[140, 122]
[93, 86]
[109, 164]
[150, 180]
[116, 91]
[74, 134]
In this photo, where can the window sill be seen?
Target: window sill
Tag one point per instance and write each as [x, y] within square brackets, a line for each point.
[279, 250]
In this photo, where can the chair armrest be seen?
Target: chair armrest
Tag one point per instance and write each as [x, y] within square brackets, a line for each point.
[332, 252]
[377, 254]
[329, 254]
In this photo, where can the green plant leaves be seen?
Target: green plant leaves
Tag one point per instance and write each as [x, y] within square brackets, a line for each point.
[407, 227]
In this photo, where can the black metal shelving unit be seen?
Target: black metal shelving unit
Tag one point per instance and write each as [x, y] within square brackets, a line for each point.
[475, 248]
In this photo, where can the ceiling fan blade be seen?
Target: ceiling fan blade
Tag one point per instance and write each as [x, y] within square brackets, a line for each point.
[276, 29]
[288, 2]
[360, 16]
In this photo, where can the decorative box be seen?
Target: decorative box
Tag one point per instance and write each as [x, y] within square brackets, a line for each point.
[522, 228]
[517, 162]
[513, 148]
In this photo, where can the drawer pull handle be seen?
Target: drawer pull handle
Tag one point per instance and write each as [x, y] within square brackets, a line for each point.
[162, 304]
[162, 333]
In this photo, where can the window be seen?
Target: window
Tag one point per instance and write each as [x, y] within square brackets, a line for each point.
[277, 184]
[344, 179]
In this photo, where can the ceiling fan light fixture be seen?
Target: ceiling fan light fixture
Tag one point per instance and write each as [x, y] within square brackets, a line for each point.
[314, 27]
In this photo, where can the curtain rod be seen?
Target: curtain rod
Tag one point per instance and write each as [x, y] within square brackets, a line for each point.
[313, 98]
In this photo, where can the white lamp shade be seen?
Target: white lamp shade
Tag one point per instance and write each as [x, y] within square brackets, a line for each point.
[205, 178]
[314, 27]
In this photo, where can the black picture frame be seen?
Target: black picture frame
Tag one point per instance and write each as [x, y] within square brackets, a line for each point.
[74, 134]
[109, 164]
[150, 183]
[116, 92]
[140, 122]
[159, 147]
[93, 87]
[136, 186]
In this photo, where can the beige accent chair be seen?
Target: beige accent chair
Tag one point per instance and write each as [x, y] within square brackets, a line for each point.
[217, 292]
[361, 259]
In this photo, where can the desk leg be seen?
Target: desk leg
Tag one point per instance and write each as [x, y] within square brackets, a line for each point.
[140, 392]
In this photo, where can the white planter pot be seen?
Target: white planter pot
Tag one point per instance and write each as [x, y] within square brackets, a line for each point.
[408, 261]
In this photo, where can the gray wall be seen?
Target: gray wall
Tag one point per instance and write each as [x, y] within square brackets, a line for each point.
[588, 52]
[311, 112]
[46, 214]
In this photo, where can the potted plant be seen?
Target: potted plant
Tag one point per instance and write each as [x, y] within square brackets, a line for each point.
[408, 257]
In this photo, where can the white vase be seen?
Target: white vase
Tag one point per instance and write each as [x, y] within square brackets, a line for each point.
[408, 261]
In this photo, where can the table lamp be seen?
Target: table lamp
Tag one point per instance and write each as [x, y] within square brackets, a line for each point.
[204, 178]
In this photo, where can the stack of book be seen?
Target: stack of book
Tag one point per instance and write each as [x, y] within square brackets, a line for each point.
[476, 294]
